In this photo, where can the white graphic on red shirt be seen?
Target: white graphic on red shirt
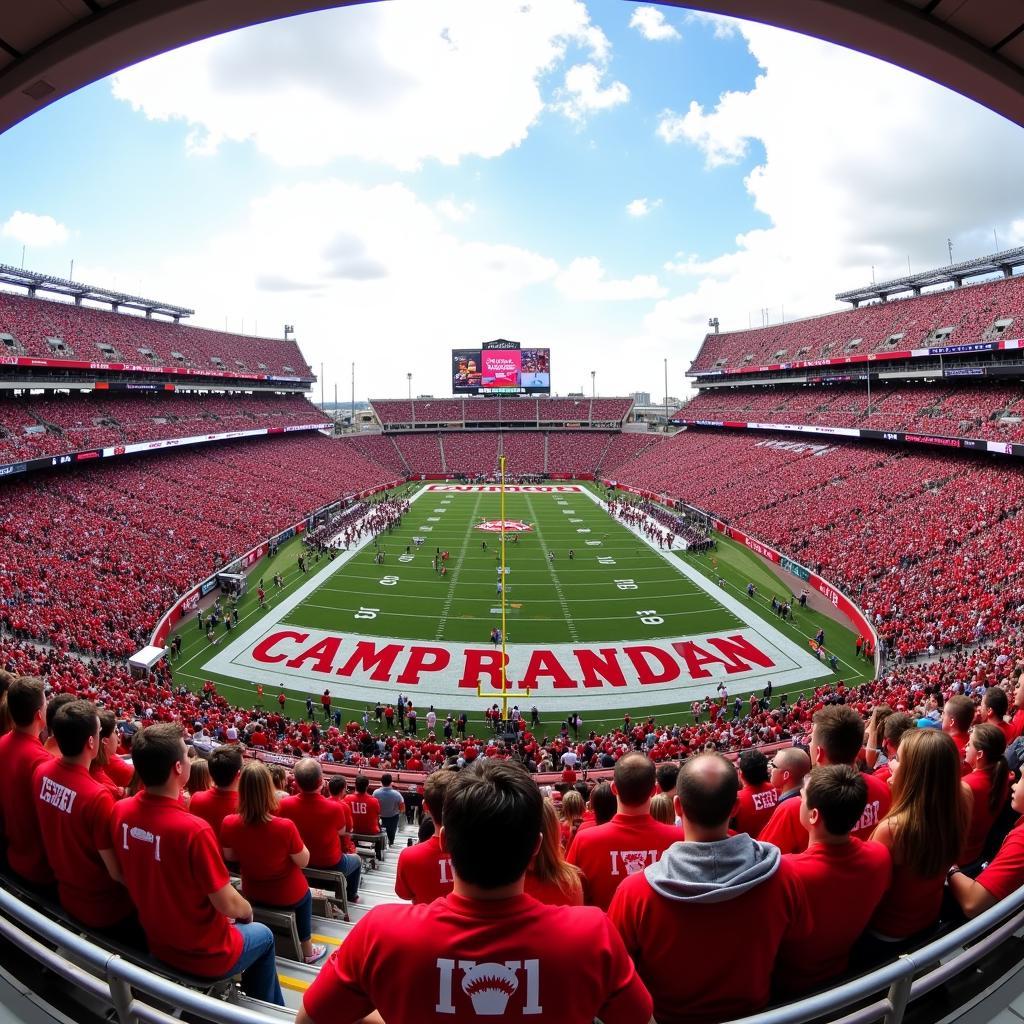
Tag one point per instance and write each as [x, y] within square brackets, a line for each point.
[142, 835]
[489, 986]
[56, 795]
[633, 861]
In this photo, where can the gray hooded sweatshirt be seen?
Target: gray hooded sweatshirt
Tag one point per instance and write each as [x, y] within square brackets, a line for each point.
[713, 872]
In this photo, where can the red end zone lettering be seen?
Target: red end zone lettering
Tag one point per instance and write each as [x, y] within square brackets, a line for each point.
[668, 669]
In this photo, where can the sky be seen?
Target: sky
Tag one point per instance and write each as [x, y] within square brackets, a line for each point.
[601, 178]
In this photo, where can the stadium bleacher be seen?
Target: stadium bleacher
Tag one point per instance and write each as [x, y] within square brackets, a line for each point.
[60, 330]
[524, 410]
[991, 411]
[969, 314]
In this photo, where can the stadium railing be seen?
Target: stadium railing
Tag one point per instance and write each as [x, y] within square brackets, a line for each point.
[137, 996]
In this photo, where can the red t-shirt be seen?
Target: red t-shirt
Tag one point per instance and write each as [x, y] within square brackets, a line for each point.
[1005, 873]
[785, 831]
[118, 769]
[269, 875]
[844, 883]
[424, 872]
[621, 847]
[552, 894]
[457, 960]
[365, 813]
[756, 805]
[678, 946]
[982, 817]
[213, 806]
[74, 818]
[319, 820]
[171, 863]
[21, 754]
[911, 904]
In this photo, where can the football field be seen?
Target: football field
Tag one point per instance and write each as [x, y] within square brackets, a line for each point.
[597, 619]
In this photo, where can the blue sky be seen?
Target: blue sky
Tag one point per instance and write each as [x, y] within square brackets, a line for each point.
[599, 177]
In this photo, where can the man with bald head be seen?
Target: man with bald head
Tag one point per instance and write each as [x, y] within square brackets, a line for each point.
[711, 902]
[788, 768]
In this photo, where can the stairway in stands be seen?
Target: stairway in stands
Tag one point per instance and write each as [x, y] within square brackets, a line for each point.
[375, 887]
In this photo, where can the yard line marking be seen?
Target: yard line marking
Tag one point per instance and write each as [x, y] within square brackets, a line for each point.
[554, 576]
[446, 607]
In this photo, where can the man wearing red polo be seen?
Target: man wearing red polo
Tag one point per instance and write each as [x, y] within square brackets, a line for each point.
[837, 734]
[74, 812]
[21, 752]
[607, 854]
[365, 809]
[425, 870]
[214, 805]
[171, 864]
[320, 823]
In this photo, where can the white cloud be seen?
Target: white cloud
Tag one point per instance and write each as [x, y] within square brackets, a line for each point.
[585, 280]
[393, 83]
[455, 211]
[651, 24]
[585, 93]
[723, 27]
[869, 167]
[642, 207]
[34, 230]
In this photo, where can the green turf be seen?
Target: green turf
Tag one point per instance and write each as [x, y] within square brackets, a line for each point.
[548, 602]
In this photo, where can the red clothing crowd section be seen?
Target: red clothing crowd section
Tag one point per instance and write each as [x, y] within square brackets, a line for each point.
[90, 561]
[34, 426]
[930, 546]
[540, 410]
[60, 330]
[971, 314]
[989, 411]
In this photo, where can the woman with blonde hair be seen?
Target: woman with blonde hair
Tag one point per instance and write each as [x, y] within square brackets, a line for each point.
[550, 879]
[924, 832]
[662, 809]
[572, 809]
[270, 854]
[199, 779]
[107, 768]
[280, 779]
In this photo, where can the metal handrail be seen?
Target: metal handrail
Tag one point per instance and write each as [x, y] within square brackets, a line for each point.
[115, 979]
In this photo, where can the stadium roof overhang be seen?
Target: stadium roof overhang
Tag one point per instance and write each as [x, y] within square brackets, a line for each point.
[50, 48]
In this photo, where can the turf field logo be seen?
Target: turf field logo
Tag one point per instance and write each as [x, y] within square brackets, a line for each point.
[511, 526]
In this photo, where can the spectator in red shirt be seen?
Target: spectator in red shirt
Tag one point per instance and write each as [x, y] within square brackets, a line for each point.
[425, 870]
[994, 706]
[171, 864]
[485, 949]
[74, 812]
[21, 752]
[321, 823]
[609, 853]
[109, 768]
[1017, 718]
[1004, 874]
[700, 898]
[365, 809]
[837, 734]
[896, 724]
[550, 878]
[53, 705]
[957, 716]
[270, 854]
[989, 782]
[788, 768]
[844, 878]
[337, 785]
[214, 805]
[924, 831]
[6, 678]
[758, 797]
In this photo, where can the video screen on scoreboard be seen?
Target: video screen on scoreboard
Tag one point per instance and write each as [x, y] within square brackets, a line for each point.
[479, 371]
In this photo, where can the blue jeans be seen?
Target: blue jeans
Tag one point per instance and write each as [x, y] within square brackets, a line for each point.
[258, 964]
[303, 916]
[350, 866]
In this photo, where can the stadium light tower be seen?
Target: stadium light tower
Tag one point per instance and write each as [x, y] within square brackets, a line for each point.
[593, 384]
[408, 378]
[713, 324]
[289, 331]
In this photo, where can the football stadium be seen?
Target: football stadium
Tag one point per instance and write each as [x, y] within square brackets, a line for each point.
[514, 700]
